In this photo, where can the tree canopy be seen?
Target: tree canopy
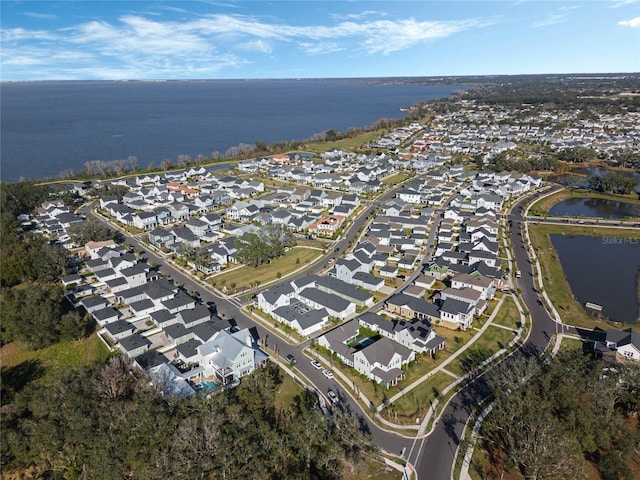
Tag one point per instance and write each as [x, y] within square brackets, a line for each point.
[567, 413]
[254, 249]
[139, 433]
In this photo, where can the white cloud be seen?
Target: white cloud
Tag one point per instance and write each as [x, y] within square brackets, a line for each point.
[550, 20]
[316, 48]
[256, 46]
[634, 22]
[358, 16]
[203, 45]
[621, 3]
[42, 16]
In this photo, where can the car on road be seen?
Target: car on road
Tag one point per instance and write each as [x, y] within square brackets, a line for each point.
[332, 396]
[327, 373]
[316, 364]
[291, 359]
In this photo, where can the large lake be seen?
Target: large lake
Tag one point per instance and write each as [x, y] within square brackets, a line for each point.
[604, 271]
[594, 207]
[48, 127]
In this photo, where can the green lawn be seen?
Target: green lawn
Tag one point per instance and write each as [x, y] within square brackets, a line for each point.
[287, 391]
[242, 277]
[555, 282]
[54, 358]
[571, 344]
[395, 179]
[491, 341]
[508, 315]
[347, 144]
[417, 402]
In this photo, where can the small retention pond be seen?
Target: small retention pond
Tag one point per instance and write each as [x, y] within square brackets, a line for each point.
[595, 207]
[604, 271]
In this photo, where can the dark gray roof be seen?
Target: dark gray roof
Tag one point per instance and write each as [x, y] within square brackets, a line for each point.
[151, 359]
[134, 341]
[204, 331]
[194, 314]
[176, 331]
[454, 307]
[140, 305]
[328, 300]
[161, 316]
[119, 326]
[307, 319]
[342, 289]
[106, 313]
[189, 348]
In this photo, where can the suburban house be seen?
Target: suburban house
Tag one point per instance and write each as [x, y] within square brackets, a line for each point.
[382, 361]
[620, 346]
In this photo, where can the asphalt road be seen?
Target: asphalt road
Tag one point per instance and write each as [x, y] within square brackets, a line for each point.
[432, 456]
[434, 459]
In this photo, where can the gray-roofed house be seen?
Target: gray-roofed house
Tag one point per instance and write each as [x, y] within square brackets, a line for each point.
[120, 329]
[230, 356]
[382, 361]
[344, 290]
[456, 314]
[134, 345]
[163, 318]
[105, 316]
[178, 333]
[301, 318]
[411, 307]
[620, 345]
[336, 341]
[335, 305]
[368, 281]
[194, 316]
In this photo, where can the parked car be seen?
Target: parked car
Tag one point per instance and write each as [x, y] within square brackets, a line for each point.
[316, 364]
[327, 373]
[291, 359]
[332, 396]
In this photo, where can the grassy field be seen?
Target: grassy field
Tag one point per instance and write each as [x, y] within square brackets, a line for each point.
[417, 402]
[287, 391]
[347, 144]
[491, 341]
[242, 277]
[58, 356]
[395, 179]
[541, 207]
[508, 315]
[553, 277]
[21, 366]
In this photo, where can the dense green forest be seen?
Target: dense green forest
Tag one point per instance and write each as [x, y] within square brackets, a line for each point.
[559, 419]
[108, 422]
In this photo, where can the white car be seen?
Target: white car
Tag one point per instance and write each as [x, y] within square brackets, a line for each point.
[327, 373]
[316, 364]
[332, 396]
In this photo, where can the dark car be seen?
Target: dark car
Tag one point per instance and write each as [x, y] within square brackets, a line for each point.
[291, 359]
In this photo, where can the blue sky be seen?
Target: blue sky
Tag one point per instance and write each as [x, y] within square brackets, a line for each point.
[49, 40]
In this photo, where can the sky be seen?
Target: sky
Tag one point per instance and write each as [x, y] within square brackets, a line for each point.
[156, 40]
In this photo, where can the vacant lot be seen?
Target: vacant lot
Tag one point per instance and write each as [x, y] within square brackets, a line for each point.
[242, 278]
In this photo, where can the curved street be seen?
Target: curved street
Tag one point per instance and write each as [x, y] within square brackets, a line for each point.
[433, 455]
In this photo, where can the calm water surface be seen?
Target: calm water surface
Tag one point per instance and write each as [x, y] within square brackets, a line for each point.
[594, 207]
[604, 271]
[48, 127]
